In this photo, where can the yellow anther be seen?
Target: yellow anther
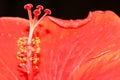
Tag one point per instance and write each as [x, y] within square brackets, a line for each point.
[21, 64]
[36, 67]
[30, 59]
[28, 71]
[37, 41]
[18, 57]
[28, 53]
[33, 42]
[18, 53]
[31, 48]
[22, 50]
[24, 58]
[35, 60]
[38, 50]
[20, 38]
[25, 38]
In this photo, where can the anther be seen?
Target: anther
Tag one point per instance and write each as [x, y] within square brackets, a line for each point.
[36, 67]
[28, 71]
[24, 59]
[21, 64]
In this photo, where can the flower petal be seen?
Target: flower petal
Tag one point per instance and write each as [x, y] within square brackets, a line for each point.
[65, 50]
[11, 30]
[72, 53]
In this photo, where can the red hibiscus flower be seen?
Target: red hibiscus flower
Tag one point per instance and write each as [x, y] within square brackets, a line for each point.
[56, 49]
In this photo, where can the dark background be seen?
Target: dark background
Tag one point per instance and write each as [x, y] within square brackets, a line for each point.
[65, 9]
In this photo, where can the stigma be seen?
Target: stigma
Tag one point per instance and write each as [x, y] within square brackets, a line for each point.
[35, 21]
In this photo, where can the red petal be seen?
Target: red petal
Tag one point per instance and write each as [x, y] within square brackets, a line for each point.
[71, 23]
[88, 52]
[65, 50]
[11, 30]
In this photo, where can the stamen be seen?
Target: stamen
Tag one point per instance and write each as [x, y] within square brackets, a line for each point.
[29, 47]
[28, 62]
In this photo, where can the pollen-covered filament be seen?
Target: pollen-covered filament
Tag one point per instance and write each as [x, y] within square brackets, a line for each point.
[29, 47]
[28, 55]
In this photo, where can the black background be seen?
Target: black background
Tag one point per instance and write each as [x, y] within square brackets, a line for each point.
[65, 9]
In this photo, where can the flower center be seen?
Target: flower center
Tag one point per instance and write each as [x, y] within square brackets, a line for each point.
[28, 54]
[29, 47]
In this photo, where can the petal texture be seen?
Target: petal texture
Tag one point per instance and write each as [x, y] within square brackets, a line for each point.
[90, 50]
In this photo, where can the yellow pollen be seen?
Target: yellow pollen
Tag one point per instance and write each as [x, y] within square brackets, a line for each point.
[24, 59]
[35, 60]
[31, 48]
[18, 53]
[36, 67]
[31, 59]
[28, 71]
[21, 64]
[38, 50]
[28, 54]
